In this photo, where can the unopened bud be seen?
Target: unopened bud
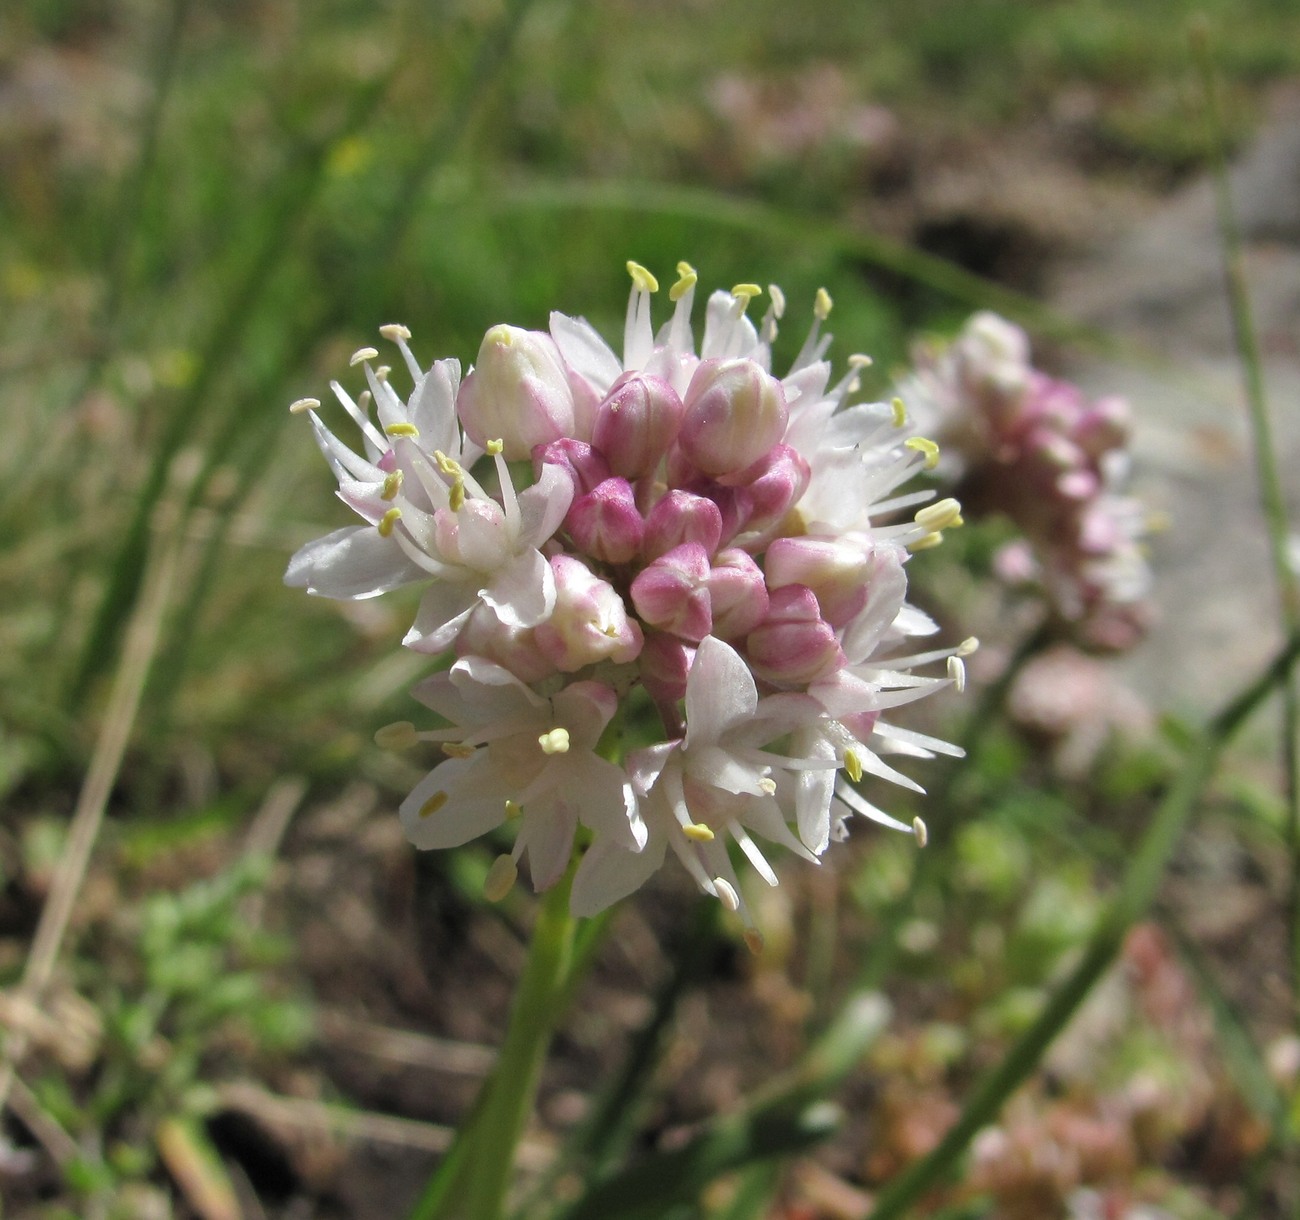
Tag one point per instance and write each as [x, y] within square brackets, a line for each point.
[636, 423]
[735, 413]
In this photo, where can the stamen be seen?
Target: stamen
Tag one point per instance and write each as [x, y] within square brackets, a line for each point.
[767, 786]
[921, 832]
[298, 406]
[927, 542]
[456, 496]
[698, 832]
[447, 465]
[941, 515]
[555, 742]
[362, 354]
[778, 301]
[860, 361]
[923, 445]
[400, 735]
[501, 878]
[969, 645]
[899, 409]
[822, 305]
[433, 804]
[957, 672]
[388, 520]
[392, 485]
[513, 811]
[686, 279]
[403, 429]
[644, 281]
[727, 894]
[394, 331]
[457, 749]
[853, 765]
[381, 373]
[746, 292]
[754, 941]
[494, 447]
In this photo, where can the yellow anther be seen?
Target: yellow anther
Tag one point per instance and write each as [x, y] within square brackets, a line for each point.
[926, 542]
[501, 878]
[388, 520]
[298, 406]
[397, 736]
[778, 300]
[364, 400]
[456, 496]
[403, 429]
[433, 804]
[941, 515]
[394, 331]
[748, 291]
[513, 811]
[457, 749]
[362, 354]
[754, 941]
[767, 786]
[698, 832]
[392, 485]
[969, 645]
[957, 673]
[727, 894]
[897, 406]
[381, 373]
[494, 447]
[555, 742]
[641, 278]
[924, 446]
[853, 765]
[686, 279]
[822, 305]
[447, 465]
[859, 361]
[921, 832]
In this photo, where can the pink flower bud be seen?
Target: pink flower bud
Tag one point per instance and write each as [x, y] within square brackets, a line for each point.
[775, 483]
[589, 623]
[587, 468]
[737, 594]
[794, 646]
[1104, 426]
[735, 413]
[636, 423]
[605, 523]
[518, 392]
[835, 569]
[515, 648]
[681, 517]
[664, 664]
[673, 593]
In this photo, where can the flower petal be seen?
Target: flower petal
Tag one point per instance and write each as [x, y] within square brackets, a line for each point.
[351, 563]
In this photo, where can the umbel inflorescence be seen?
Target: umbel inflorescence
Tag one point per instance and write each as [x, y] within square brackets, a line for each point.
[698, 535]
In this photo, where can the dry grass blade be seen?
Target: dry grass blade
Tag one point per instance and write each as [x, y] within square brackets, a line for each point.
[141, 644]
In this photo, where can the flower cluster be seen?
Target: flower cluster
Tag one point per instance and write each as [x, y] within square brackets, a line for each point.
[1033, 447]
[676, 527]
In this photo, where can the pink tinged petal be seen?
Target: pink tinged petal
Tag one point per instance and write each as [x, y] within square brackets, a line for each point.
[546, 835]
[342, 460]
[664, 663]
[680, 517]
[456, 802]
[515, 648]
[482, 541]
[585, 709]
[350, 564]
[585, 352]
[518, 392]
[738, 595]
[720, 692]
[794, 645]
[672, 593]
[735, 413]
[764, 817]
[605, 523]
[814, 792]
[609, 872]
[886, 587]
[718, 768]
[775, 484]
[542, 506]
[433, 408]
[523, 591]
[444, 609]
[636, 423]
[600, 792]
[589, 623]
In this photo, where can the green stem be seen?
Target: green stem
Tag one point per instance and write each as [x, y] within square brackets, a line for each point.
[1271, 496]
[472, 1183]
[1135, 895]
